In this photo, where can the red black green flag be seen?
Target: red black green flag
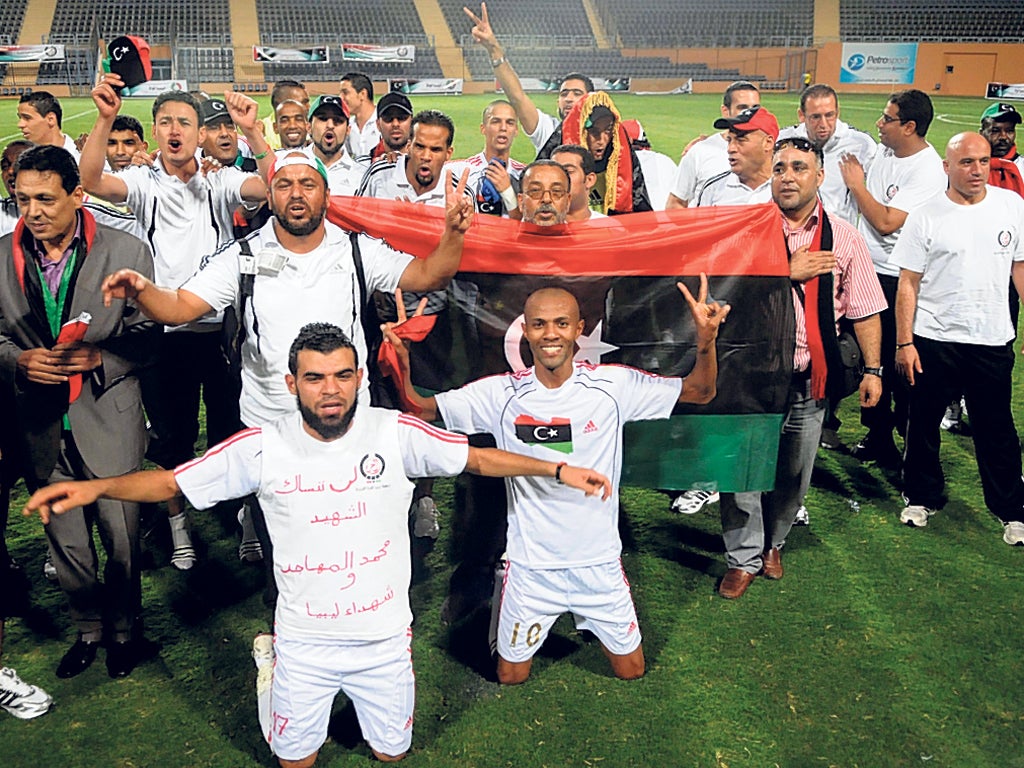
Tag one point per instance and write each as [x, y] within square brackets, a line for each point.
[623, 270]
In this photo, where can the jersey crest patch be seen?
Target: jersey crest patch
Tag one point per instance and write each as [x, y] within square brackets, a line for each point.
[555, 434]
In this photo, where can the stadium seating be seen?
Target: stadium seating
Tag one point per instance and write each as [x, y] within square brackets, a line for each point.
[707, 23]
[523, 17]
[12, 13]
[78, 68]
[938, 20]
[184, 21]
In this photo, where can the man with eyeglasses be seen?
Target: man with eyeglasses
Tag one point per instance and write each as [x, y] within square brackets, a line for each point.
[537, 125]
[820, 124]
[905, 173]
[829, 258]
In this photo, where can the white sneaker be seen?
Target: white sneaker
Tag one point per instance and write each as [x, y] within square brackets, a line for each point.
[802, 518]
[692, 502]
[915, 515]
[425, 523]
[1013, 533]
[49, 569]
[22, 700]
[263, 655]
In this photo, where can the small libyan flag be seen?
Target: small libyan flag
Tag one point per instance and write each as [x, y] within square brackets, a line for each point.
[555, 434]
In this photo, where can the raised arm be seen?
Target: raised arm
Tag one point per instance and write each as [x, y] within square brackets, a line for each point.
[701, 384]
[507, 78]
[245, 114]
[149, 486]
[493, 462]
[164, 305]
[434, 272]
[94, 154]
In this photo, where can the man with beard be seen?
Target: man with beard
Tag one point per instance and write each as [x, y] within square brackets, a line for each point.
[750, 137]
[417, 178]
[394, 121]
[185, 213]
[334, 480]
[999, 125]
[328, 126]
[538, 125]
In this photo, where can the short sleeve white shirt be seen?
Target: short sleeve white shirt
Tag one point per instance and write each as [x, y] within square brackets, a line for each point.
[727, 189]
[344, 174]
[360, 142]
[336, 513]
[319, 286]
[546, 126]
[580, 422]
[964, 254]
[705, 160]
[659, 174]
[903, 183]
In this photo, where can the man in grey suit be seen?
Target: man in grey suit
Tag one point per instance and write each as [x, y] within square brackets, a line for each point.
[71, 361]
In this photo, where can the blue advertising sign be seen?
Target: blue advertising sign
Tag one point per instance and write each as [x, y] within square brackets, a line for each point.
[878, 63]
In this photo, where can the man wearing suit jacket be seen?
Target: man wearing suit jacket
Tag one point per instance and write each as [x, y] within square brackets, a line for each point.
[78, 408]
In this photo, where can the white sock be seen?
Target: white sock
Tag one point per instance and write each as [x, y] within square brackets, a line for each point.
[180, 536]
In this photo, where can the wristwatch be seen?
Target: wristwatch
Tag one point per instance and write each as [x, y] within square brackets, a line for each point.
[495, 63]
[873, 371]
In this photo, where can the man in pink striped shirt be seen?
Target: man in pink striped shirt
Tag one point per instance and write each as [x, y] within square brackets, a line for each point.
[829, 258]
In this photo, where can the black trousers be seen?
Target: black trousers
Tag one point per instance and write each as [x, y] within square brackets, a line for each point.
[983, 375]
[891, 411]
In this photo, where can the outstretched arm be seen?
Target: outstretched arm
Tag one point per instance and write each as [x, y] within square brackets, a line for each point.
[493, 462]
[507, 78]
[164, 305]
[152, 485]
[701, 385]
[434, 272]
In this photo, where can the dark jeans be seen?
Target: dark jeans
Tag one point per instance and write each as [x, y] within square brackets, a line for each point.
[983, 374]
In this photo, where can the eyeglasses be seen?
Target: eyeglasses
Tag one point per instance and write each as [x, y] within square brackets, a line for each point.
[800, 143]
[557, 193]
[890, 119]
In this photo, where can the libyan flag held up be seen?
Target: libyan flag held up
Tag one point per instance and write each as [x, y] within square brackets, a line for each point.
[624, 270]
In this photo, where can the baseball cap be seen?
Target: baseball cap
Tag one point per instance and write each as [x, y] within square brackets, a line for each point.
[1002, 113]
[326, 104]
[756, 118]
[297, 158]
[394, 100]
[599, 112]
[214, 110]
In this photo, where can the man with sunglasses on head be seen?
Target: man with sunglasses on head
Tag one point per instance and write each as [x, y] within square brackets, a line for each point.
[905, 173]
[828, 259]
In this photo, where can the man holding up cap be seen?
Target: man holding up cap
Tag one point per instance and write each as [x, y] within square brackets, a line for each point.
[751, 139]
[394, 122]
[328, 127]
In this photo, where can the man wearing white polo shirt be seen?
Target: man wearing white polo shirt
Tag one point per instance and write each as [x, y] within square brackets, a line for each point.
[708, 157]
[751, 138]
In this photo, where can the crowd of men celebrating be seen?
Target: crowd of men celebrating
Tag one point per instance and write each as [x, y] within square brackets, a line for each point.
[136, 283]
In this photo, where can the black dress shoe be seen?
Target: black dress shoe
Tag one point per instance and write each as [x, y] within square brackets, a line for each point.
[880, 450]
[77, 659]
[121, 658]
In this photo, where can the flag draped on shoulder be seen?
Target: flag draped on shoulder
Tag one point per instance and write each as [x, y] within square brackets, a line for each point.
[623, 270]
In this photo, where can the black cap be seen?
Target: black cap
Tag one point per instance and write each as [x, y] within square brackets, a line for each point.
[213, 111]
[328, 104]
[599, 112]
[394, 100]
[128, 57]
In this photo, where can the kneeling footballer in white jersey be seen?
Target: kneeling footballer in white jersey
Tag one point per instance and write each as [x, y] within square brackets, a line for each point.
[334, 485]
[563, 550]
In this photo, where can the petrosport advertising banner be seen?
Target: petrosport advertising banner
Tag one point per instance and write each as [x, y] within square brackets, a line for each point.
[887, 63]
